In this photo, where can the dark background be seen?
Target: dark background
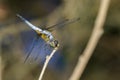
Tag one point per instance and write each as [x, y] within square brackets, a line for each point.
[15, 35]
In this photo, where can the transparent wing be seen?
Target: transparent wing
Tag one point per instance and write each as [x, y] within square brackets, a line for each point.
[39, 52]
[62, 23]
[32, 47]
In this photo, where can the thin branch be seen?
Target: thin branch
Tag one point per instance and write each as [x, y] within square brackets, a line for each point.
[96, 35]
[46, 63]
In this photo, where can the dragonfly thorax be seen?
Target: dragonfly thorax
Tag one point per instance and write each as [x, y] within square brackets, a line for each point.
[48, 37]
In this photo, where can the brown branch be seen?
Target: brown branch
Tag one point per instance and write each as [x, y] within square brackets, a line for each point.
[96, 35]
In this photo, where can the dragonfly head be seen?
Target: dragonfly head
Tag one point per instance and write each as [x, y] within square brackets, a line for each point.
[54, 43]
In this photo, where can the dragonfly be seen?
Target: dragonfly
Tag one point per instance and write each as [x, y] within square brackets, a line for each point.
[46, 36]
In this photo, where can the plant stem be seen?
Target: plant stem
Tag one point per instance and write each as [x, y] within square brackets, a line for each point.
[95, 36]
[48, 57]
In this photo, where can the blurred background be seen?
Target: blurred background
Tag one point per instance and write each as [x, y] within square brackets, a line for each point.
[16, 37]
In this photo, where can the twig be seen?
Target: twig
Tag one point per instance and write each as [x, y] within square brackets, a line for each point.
[46, 63]
[96, 35]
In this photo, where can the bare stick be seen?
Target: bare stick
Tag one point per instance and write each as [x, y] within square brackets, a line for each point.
[96, 34]
[46, 63]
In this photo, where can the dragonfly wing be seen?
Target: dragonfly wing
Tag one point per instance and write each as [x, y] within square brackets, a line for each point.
[32, 47]
[55, 25]
[63, 23]
[44, 50]
[39, 52]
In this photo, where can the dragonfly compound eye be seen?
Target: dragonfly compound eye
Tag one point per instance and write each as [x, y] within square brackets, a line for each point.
[56, 44]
